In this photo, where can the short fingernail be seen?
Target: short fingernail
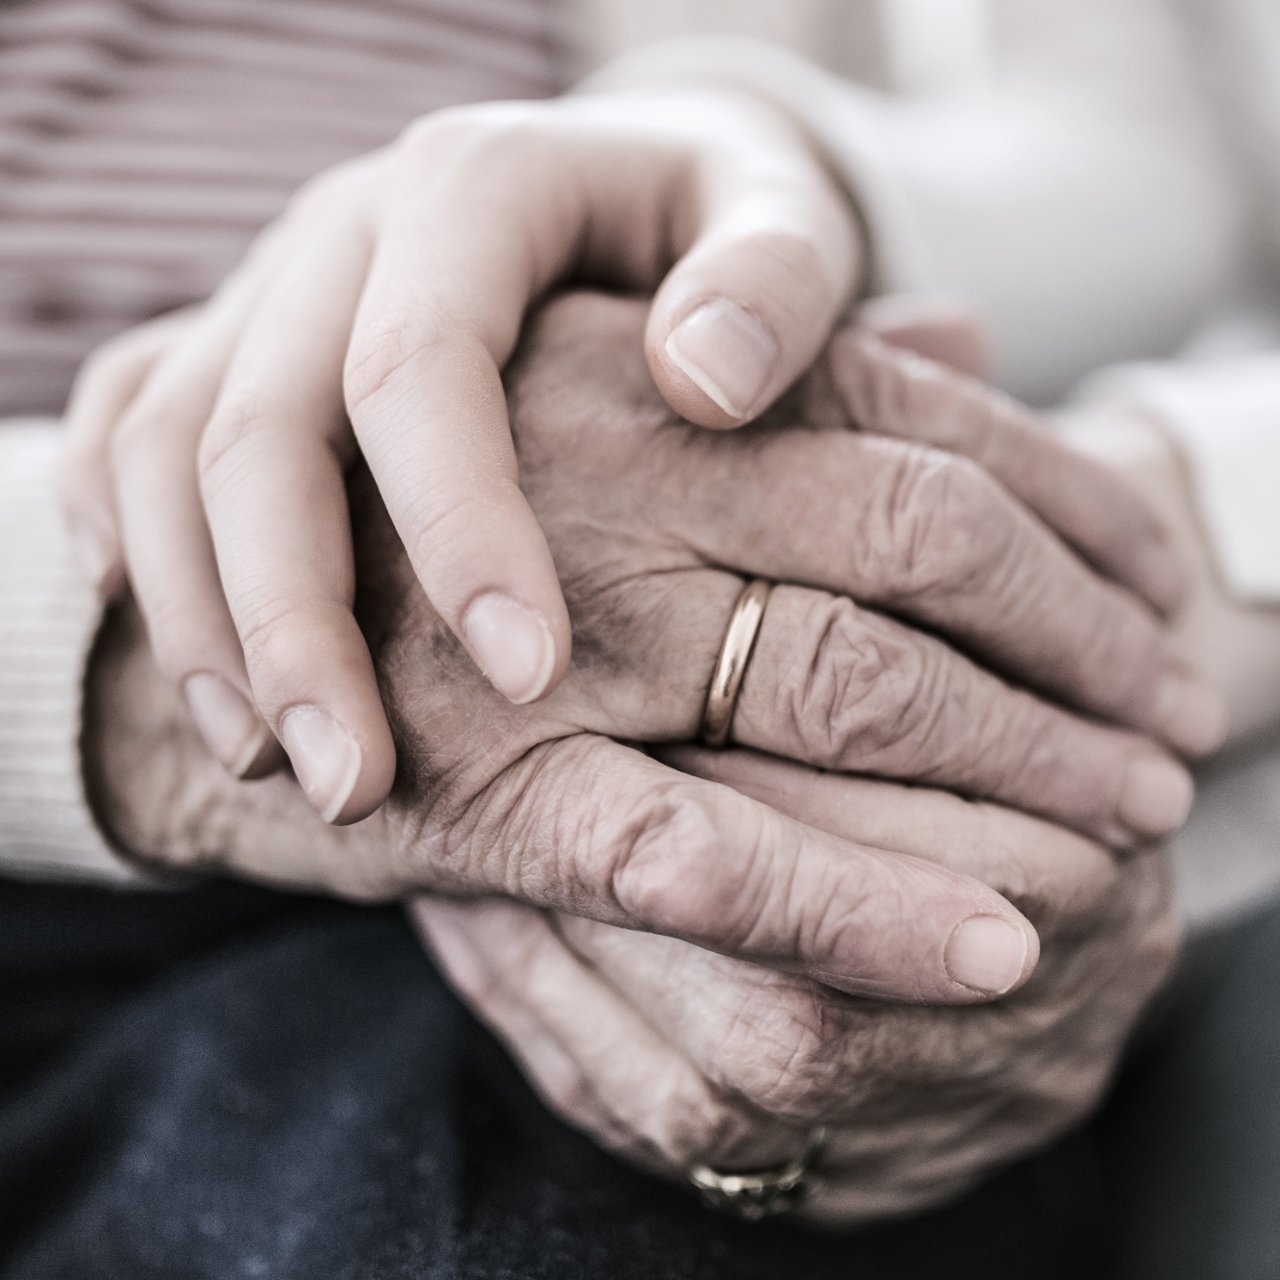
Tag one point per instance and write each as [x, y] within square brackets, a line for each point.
[95, 557]
[1190, 713]
[229, 726]
[326, 758]
[1156, 796]
[726, 352]
[513, 645]
[987, 954]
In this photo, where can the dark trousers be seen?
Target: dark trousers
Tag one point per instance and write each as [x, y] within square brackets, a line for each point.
[231, 1083]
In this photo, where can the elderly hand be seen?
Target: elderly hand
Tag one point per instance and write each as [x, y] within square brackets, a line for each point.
[671, 1056]
[652, 525]
[206, 456]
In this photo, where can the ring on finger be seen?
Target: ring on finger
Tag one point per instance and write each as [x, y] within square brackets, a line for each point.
[761, 1193]
[731, 664]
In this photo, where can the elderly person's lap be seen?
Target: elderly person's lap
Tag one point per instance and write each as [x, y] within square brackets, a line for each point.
[230, 1082]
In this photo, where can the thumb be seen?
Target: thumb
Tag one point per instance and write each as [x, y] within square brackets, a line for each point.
[942, 329]
[749, 306]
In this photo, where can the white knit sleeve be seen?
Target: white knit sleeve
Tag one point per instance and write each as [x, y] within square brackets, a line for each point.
[48, 621]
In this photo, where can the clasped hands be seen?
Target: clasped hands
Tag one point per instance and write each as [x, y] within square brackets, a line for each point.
[698, 955]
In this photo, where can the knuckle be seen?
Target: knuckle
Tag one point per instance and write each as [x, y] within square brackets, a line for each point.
[481, 132]
[1020, 750]
[794, 271]
[443, 532]
[941, 528]
[425, 138]
[104, 365]
[566, 1091]
[865, 691]
[700, 1126]
[1150, 921]
[859, 910]
[230, 436]
[117, 357]
[275, 636]
[670, 868]
[1122, 650]
[776, 1052]
[323, 191]
[1066, 1090]
[391, 344]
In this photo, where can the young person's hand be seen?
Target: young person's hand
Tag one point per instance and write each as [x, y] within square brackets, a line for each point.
[206, 454]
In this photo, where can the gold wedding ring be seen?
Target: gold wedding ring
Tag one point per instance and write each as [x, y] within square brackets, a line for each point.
[731, 665]
[764, 1193]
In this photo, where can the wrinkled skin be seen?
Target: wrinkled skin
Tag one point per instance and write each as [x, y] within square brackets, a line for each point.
[654, 527]
[668, 1054]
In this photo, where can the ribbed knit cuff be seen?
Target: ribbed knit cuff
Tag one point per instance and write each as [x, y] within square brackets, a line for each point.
[49, 618]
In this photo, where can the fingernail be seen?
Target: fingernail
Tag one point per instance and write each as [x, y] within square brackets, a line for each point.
[94, 556]
[1190, 713]
[986, 954]
[1155, 798]
[726, 352]
[229, 726]
[513, 645]
[326, 758]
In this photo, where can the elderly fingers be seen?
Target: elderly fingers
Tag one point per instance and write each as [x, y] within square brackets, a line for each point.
[845, 688]
[1058, 878]
[591, 827]
[593, 1057]
[890, 392]
[933, 537]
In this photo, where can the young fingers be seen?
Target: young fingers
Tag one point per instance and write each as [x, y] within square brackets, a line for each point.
[472, 230]
[749, 305]
[271, 464]
[166, 544]
[104, 389]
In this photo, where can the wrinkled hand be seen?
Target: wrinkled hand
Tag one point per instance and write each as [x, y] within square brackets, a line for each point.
[671, 1056]
[206, 455]
[654, 527]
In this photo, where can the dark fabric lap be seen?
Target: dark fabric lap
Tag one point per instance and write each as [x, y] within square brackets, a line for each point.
[229, 1082]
